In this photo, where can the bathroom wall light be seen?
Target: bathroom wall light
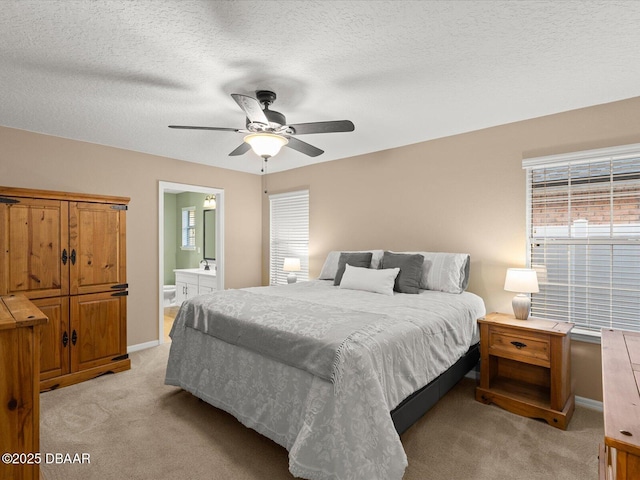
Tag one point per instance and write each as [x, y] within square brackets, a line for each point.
[210, 202]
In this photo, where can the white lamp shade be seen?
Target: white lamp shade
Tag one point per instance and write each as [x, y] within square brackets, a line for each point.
[521, 280]
[291, 265]
[266, 144]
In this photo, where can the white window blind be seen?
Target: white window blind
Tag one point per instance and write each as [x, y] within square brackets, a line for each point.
[289, 234]
[189, 228]
[583, 230]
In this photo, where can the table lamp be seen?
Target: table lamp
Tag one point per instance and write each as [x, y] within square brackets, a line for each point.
[523, 281]
[291, 265]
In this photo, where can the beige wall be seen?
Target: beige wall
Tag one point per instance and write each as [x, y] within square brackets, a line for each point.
[464, 193]
[31, 160]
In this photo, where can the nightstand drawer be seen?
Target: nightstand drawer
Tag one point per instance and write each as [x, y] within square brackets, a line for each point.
[530, 347]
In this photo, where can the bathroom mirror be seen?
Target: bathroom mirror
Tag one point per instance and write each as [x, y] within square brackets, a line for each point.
[209, 240]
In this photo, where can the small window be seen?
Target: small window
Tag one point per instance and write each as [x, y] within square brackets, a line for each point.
[289, 234]
[189, 228]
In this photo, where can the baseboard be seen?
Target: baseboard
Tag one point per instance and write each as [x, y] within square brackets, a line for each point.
[589, 403]
[142, 346]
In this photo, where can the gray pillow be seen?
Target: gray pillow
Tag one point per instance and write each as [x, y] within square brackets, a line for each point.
[356, 259]
[410, 265]
[445, 272]
[330, 266]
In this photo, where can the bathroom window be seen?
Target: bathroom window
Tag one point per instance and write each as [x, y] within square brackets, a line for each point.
[189, 228]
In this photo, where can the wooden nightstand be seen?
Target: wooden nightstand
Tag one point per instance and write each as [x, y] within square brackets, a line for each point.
[525, 367]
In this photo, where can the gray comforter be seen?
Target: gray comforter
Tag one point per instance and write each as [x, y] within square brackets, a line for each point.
[305, 335]
[331, 432]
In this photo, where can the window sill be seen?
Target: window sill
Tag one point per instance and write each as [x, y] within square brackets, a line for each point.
[192, 249]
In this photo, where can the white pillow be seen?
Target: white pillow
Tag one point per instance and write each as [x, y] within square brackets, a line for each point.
[369, 280]
[330, 266]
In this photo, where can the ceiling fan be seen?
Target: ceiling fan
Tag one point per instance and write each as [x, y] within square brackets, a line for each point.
[267, 130]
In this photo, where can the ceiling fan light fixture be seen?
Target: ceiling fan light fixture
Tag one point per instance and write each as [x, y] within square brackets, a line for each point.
[265, 144]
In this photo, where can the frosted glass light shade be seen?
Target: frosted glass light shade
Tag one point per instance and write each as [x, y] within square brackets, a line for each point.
[266, 144]
[521, 280]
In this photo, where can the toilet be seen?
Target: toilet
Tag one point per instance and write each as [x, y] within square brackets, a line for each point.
[169, 295]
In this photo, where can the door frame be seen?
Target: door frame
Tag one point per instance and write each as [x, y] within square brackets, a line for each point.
[172, 187]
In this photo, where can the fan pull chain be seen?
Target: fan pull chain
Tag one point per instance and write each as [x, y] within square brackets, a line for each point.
[264, 178]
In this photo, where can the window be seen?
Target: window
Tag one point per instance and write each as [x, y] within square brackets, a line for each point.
[289, 234]
[189, 228]
[583, 230]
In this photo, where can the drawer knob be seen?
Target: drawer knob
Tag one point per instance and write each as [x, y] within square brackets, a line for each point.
[518, 345]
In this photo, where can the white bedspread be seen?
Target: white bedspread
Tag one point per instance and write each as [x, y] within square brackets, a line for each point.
[346, 434]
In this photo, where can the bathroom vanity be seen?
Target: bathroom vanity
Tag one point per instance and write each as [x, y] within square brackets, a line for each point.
[194, 281]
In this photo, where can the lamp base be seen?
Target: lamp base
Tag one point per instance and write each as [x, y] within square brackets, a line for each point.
[521, 306]
[292, 278]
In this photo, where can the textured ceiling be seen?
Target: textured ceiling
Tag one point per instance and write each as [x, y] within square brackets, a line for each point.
[118, 72]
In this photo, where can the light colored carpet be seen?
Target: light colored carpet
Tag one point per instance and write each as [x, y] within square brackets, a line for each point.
[135, 427]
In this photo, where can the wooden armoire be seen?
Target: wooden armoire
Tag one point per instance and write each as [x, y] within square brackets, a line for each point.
[67, 253]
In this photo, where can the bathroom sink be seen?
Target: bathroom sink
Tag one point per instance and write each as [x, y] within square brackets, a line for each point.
[198, 271]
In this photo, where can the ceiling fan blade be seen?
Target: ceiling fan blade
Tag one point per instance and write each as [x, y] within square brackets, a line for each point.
[323, 127]
[186, 127]
[251, 108]
[241, 149]
[304, 147]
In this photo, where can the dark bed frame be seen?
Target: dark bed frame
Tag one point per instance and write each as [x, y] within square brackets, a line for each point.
[418, 403]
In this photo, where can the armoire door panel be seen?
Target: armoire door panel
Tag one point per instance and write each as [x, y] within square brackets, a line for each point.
[97, 334]
[35, 236]
[54, 350]
[97, 247]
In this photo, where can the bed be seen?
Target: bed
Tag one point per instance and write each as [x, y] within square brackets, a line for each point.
[348, 368]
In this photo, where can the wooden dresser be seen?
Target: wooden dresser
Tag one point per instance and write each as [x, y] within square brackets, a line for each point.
[66, 252]
[20, 323]
[620, 454]
[525, 367]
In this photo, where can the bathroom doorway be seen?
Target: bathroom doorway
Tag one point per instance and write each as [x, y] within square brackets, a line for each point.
[185, 248]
